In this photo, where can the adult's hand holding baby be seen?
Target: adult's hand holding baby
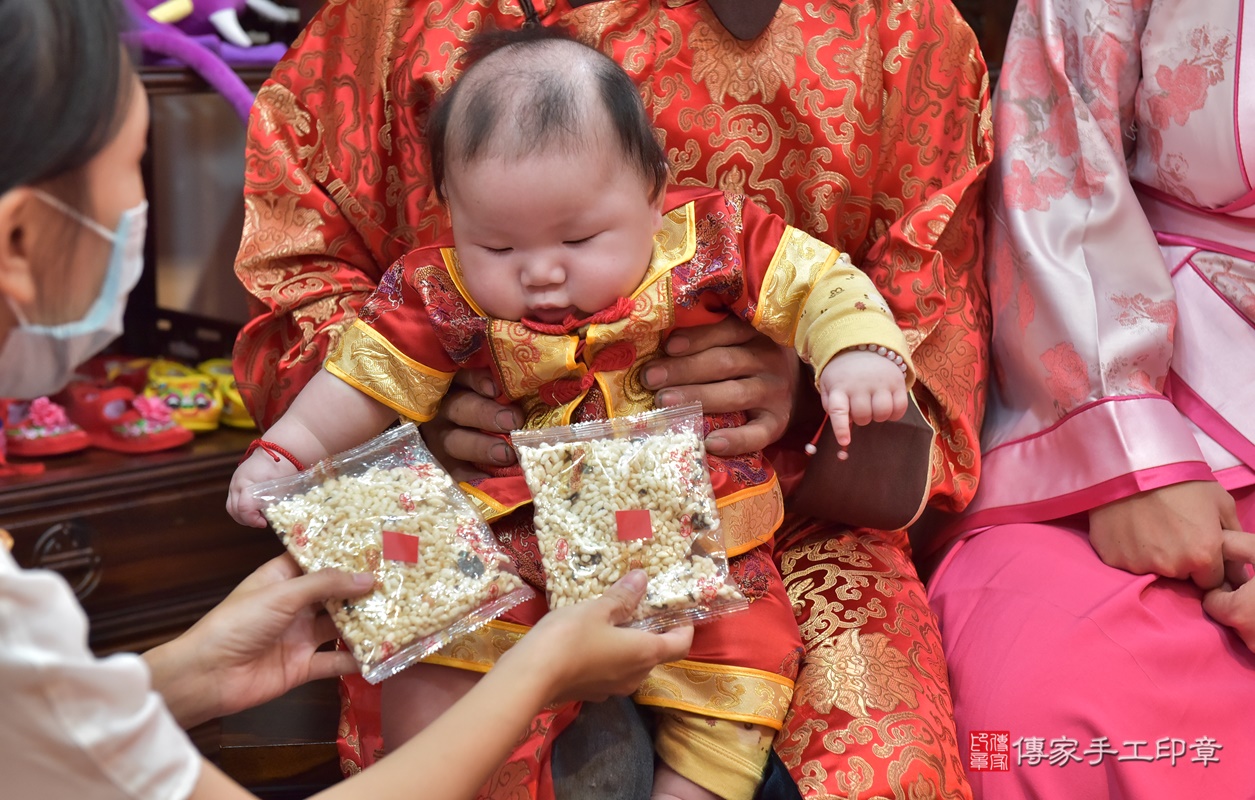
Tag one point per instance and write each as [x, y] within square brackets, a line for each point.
[467, 427]
[727, 366]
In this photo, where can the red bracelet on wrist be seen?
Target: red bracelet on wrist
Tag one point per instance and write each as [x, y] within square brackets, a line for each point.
[274, 451]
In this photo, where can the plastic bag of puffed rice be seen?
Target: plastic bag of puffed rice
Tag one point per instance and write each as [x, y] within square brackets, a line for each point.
[627, 493]
[388, 508]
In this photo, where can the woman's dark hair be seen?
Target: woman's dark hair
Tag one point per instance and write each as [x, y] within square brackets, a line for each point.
[64, 86]
[545, 99]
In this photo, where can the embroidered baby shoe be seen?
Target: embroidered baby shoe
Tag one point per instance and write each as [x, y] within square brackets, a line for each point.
[40, 428]
[9, 470]
[117, 420]
[194, 400]
[234, 412]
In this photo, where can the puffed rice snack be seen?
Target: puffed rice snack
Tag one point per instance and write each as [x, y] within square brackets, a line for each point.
[629, 493]
[387, 508]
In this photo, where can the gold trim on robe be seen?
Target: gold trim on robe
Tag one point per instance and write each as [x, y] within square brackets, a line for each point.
[653, 314]
[713, 690]
[488, 506]
[813, 298]
[795, 268]
[371, 364]
[750, 517]
[841, 312]
[454, 266]
[675, 243]
[527, 360]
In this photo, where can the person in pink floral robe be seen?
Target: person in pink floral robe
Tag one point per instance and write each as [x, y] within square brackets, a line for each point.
[1093, 600]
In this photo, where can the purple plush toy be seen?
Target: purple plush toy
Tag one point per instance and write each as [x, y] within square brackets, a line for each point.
[217, 16]
[187, 31]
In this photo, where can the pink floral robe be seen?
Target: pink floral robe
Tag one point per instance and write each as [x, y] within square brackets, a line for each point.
[1122, 277]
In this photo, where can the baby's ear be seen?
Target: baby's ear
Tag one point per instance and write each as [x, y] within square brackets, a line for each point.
[657, 204]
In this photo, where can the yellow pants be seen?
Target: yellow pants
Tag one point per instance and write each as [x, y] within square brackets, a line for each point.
[722, 756]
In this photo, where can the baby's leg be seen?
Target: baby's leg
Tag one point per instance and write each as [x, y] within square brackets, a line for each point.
[671, 785]
[413, 699]
[756, 650]
[701, 758]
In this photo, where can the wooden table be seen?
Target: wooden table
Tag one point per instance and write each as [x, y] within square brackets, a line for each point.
[147, 546]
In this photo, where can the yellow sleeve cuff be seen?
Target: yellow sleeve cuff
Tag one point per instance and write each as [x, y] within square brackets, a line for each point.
[845, 310]
[368, 362]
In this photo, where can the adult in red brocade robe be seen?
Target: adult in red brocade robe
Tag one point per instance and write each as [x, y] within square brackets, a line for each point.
[865, 124]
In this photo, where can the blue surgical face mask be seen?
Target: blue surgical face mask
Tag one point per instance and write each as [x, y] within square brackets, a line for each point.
[40, 359]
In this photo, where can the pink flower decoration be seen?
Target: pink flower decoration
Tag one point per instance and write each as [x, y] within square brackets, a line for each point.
[46, 414]
[152, 409]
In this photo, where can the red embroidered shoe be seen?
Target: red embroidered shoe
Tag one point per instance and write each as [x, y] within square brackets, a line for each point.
[117, 420]
[8, 470]
[40, 428]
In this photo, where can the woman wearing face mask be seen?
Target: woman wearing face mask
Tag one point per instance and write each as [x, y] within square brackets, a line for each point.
[72, 214]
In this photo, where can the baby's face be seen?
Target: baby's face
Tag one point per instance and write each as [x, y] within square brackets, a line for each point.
[545, 236]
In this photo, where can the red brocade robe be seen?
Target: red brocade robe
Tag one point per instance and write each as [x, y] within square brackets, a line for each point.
[715, 255]
[865, 124]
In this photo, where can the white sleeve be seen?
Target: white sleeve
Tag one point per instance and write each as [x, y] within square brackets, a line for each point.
[73, 726]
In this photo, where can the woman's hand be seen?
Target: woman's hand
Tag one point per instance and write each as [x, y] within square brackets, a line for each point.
[1232, 604]
[257, 644]
[581, 654]
[1176, 531]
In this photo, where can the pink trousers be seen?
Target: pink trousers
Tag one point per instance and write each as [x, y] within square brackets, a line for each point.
[1106, 684]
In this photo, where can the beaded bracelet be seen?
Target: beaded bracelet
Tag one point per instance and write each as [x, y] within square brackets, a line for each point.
[884, 351]
[812, 446]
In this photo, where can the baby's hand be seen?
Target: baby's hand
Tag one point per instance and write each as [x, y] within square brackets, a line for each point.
[862, 386]
[260, 466]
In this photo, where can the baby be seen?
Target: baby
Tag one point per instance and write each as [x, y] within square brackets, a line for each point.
[570, 261]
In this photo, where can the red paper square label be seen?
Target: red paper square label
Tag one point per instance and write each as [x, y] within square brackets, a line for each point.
[399, 546]
[634, 524]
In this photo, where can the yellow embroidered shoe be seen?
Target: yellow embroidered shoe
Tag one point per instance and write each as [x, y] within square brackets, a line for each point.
[234, 413]
[194, 399]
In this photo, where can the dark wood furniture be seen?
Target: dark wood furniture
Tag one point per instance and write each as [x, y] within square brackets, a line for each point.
[145, 541]
[147, 546]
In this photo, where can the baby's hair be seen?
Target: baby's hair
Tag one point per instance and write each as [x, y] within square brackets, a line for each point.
[533, 89]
